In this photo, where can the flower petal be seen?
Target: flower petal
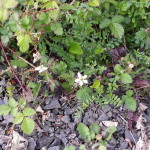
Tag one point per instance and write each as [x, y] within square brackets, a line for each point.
[85, 81]
[77, 80]
[80, 83]
[84, 77]
[79, 75]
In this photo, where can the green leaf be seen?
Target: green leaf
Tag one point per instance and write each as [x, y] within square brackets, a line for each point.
[130, 102]
[18, 63]
[27, 125]
[8, 4]
[99, 50]
[66, 7]
[129, 93]
[57, 28]
[18, 118]
[12, 102]
[32, 85]
[126, 78]
[117, 19]
[118, 69]
[71, 147]
[5, 39]
[3, 14]
[95, 128]
[110, 130]
[102, 148]
[84, 94]
[28, 111]
[14, 111]
[4, 109]
[75, 48]
[53, 14]
[105, 23]
[96, 84]
[23, 42]
[117, 30]
[22, 103]
[94, 2]
[83, 130]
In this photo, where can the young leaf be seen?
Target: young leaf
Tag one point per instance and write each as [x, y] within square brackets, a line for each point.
[126, 78]
[4, 109]
[75, 48]
[27, 125]
[96, 84]
[118, 69]
[3, 14]
[23, 42]
[57, 28]
[130, 102]
[95, 128]
[129, 93]
[22, 103]
[117, 19]
[117, 30]
[18, 63]
[71, 147]
[110, 130]
[105, 23]
[18, 118]
[12, 102]
[28, 111]
[102, 148]
[83, 130]
[94, 2]
[7, 4]
[14, 111]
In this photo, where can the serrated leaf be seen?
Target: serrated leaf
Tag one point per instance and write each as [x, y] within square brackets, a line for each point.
[53, 14]
[32, 85]
[66, 7]
[3, 14]
[130, 102]
[126, 78]
[129, 93]
[8, 4]
[28, 111]
[96, 84]
[14, 111]
[22, 103]
[18, 63]
[12, 102]
[105, 23]
[18, 118]
[83, 130]
[94, 2]
[57, 28]
[117, 19]
[117, 30]
[95, 128]
[4, 109]
[23, 42]
[75, 48]
[118, 69]
[27, 125]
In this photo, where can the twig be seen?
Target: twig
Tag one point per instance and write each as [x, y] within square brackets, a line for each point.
[20, 57]
[23, 89]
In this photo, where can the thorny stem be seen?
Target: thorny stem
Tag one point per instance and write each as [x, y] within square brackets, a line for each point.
[23, 89]
[20, 57]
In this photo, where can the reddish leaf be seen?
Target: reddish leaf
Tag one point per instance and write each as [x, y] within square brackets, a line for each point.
[138, 82]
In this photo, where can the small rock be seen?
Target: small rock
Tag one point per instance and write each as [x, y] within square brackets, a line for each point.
[71, 125]
[130, 136]
[48, 99]
[109, 114]
[103, 117]
[95, 116]
[65, 119]
[68, 111]
[31, 144]
[1, 102]
[55, 148]
[106, 109]
[65, 141]
[52, 105]
[91, 120]
[72, 136]
[44, 141]
[124, 145]
[2, 82]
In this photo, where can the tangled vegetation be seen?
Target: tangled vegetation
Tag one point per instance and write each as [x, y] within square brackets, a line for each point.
[89, 50]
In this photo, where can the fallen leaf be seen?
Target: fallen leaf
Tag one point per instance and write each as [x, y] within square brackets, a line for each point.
[39, 109]
[18, 142]
[139, 123]
[140, 144]
[142, 107]
[110, 123]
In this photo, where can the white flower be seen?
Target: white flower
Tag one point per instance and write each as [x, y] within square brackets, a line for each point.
[81, 79]
[131, 66]
[41, 68]
[36, 56]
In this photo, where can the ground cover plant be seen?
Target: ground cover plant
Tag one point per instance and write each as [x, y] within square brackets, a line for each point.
[90, 51]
